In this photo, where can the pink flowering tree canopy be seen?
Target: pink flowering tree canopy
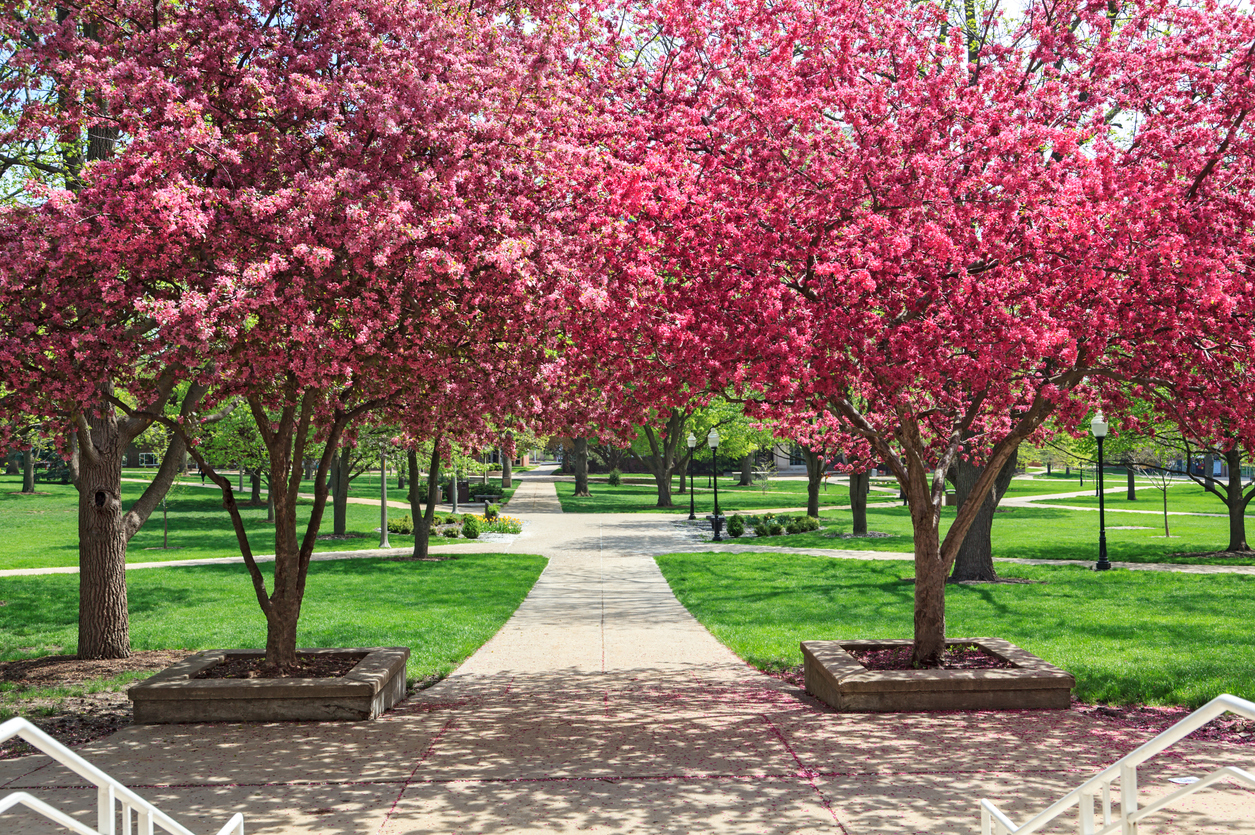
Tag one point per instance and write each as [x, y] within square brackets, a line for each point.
[942, 224]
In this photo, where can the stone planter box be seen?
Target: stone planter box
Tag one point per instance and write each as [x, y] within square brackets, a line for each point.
[367, 690]
[835, 677]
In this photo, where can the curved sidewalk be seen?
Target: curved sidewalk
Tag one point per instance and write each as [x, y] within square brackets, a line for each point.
[602, 706]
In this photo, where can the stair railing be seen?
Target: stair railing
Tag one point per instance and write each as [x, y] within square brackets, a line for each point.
[994, 822]
[111, 796]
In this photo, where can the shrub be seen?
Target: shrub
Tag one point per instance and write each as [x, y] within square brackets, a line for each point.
[762, 528]
[470, 526]
[775, 529]
[453, 519]
[809, 523]
[794, 526]
[615, 477]
[736, 526]
[491, 512]
[403, 525]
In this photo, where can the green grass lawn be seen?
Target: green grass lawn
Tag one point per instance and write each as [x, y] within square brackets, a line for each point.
[1043, 532]
[1183, 497]
[42, 531]
[442, 610]
[1127, 636]
[640, 498]
[365, 486]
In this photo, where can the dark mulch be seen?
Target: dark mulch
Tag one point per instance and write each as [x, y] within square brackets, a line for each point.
[77, 719]
[306, 666]
[958, 657]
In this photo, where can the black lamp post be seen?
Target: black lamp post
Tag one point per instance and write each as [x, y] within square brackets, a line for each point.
[1099, 427]
[716, 521]
[692, 442]
[383, 496]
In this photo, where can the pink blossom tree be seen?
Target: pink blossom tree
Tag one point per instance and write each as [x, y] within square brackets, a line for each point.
[949, 223]
[351, 199]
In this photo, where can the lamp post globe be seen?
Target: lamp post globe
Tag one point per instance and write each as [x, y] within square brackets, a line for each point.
[692, 442]
[1098, 427]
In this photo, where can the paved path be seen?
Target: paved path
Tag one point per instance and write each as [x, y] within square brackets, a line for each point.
[602, 706]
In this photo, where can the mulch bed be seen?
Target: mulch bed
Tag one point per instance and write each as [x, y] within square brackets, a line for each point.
[959, 657]
[306, 666]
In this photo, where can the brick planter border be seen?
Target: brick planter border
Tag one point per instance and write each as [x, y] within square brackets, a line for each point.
[836, 678]
[367, 690]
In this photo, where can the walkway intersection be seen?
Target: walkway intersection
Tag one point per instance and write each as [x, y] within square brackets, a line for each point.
[603, 706]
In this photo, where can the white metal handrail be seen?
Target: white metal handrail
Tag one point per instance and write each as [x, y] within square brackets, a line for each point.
[111, 796]
[994, 822]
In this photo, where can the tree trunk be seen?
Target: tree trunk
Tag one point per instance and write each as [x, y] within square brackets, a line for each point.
[579, 463]
[1209, 466]
[747, 471]
[340, 504]
[270, 504]
[1236, 502]
[662, 454]
[860, 486]
[930, 583]
[423, 517]
[814, 476]
[681, 471]
[1132, 494]
[28, 471]
[507, 470]
[975, 562]
[254, 479]
[103, 626]
[1047, 468]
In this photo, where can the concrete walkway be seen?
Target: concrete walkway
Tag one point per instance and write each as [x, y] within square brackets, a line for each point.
[602, 706]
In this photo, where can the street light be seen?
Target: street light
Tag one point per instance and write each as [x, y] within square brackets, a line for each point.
[1099, 427]
[716, 521]
[692, 442]
[383, 495]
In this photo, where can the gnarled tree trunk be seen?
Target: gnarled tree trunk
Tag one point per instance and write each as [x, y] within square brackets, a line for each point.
[28, 471]
[341, 472]
[860, 486]
[507, 470]
[814, 477]
[103, 626]
[1236, 501]
[747, 470]
[423, 516]
[975, 561]
[579, 463]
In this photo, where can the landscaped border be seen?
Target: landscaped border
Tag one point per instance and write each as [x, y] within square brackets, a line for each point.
[836, 678]
[173, 695]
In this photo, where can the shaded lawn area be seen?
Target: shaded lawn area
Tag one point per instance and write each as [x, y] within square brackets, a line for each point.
[1127, 636]
[41, 531]
[639, 498]
[365, 486]
[442, 610]
[1183, 497]
[1035, 533]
